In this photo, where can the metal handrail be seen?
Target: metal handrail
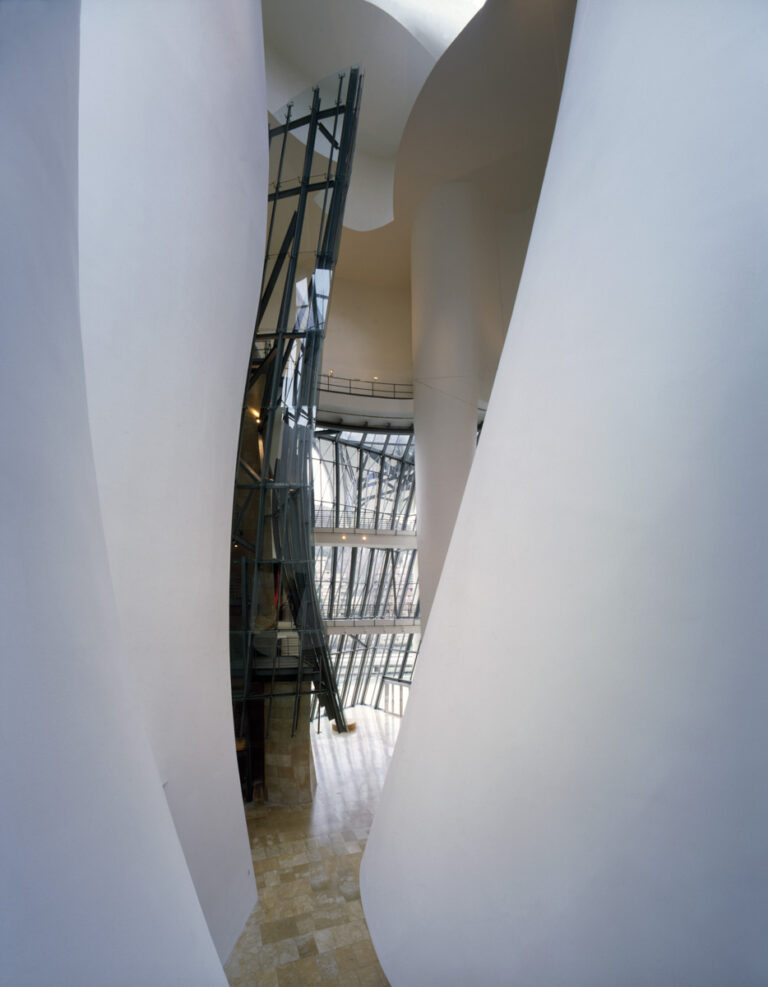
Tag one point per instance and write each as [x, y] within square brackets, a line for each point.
[384, 616]
[364, 388]
[328, 515]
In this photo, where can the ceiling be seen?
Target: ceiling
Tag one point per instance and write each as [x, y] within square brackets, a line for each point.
[436, 107]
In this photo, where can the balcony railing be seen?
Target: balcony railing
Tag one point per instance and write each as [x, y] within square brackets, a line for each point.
[364, 388]
[372, 614]
[326, 516]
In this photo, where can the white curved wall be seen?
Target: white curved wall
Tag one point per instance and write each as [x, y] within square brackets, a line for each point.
[93, 884]
[369, 199]
[447, 291]
[434, 25]
[173, 168]
[577, 794]
[333, 35]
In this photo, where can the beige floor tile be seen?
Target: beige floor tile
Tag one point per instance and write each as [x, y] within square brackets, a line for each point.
[347, 979]
[309, 925]
[324, 940]
[304, 971]
[371, 976]
[305, 923]
[327, 966]
[281, 928]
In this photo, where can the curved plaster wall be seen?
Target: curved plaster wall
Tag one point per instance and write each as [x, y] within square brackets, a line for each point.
[333, 35]
[600, 816]
[93, 882]
[487, 111]
[447, 291]
[434, 25]
[173, 170]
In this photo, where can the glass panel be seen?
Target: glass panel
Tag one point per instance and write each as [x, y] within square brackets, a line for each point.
[276, 602]
[375, 491]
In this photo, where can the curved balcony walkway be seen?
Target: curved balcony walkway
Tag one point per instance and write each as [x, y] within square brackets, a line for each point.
[379, 405]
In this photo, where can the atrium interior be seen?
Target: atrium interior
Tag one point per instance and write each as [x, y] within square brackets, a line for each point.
[375, 371]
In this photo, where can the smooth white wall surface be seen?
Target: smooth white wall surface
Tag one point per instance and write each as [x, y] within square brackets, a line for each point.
[369, 332]
[369, 200]
[577, 797]
[435, 25]
[513, 233]
[173, 170]
[450, 295]
[94, 888]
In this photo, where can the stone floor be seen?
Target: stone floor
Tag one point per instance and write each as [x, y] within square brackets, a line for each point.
[308, 926]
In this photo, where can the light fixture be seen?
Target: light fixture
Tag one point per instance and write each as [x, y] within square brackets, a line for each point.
[375, 378]
[365, 537]
[343, 537]
[330, 373]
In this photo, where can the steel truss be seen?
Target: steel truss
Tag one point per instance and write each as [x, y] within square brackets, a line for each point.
[276, 625]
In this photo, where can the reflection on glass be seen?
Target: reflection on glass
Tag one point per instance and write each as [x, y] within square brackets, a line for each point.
[364, 480]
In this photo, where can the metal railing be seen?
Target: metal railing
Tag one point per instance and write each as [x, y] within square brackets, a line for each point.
[328, 515]
[374, 615]
[364, 388]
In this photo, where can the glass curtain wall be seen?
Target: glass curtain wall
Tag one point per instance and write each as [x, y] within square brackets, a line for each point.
[367, 663]
[356, 583]
[364, 482]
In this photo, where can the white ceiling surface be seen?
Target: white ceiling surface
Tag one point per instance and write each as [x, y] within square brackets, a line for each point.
[486, 114]
[435, 23]
[307, 41]
[487, 111]
[431, 107]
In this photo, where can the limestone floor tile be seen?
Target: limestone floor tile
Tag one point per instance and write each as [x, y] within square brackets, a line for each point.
[326, 964]
[309, 927]
[303, 971]
[277, 929]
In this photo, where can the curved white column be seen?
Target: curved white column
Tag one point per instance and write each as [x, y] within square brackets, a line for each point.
[448, 299]
[577, 796]
[173, 176]
[93, 883]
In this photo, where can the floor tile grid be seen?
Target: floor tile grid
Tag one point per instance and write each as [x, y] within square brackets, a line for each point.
[308, 926]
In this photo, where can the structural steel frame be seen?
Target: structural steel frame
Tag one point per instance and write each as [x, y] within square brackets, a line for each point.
[276, 627]
[364, 482]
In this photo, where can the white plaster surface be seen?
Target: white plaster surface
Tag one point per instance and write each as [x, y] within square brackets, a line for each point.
[309, 41]
[94, 888]
[369, 332]
[173, 166]
[600, 815]
[435, 23]
[450, 291]
[513, 233]
[369, 200]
